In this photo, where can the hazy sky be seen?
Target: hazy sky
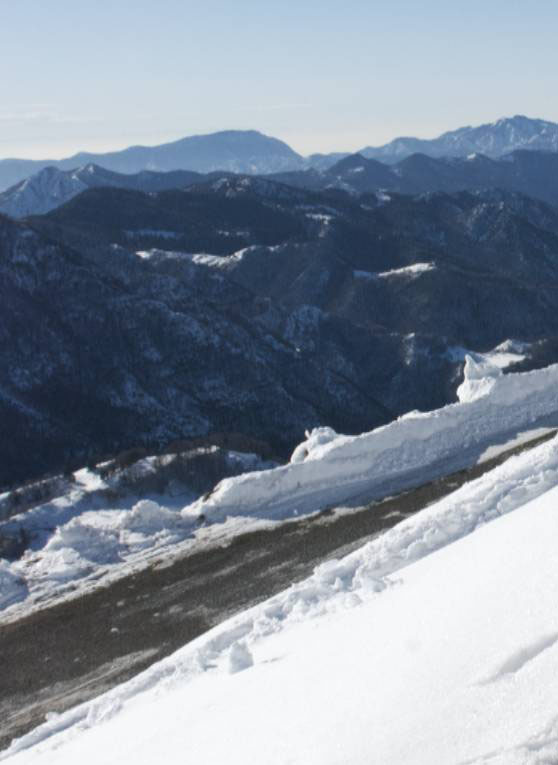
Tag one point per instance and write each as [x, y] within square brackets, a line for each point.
[322, 75]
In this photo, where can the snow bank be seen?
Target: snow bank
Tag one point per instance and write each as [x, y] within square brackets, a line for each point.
[361, 661]
[88, 535]
[328, 470]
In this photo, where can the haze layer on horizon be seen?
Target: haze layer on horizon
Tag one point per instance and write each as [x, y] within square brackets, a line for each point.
[321, 76]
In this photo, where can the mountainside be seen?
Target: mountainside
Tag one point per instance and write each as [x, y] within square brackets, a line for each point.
[248, 151]
[112, 350]
[51, 187]
[300, 309]
[239, 151]
[533, 173]
[493, 139]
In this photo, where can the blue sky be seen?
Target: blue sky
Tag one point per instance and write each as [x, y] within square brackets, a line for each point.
[322, 75]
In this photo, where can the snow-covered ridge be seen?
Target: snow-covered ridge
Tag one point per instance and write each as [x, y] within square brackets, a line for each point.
[412, 449]
[361, 579]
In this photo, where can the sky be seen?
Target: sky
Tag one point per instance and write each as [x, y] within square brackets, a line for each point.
[322, 75]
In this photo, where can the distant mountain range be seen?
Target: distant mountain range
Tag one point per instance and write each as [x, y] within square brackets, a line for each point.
[239, 151]
[533, 173]
[143, 307]
[251, 152]
[493, 139]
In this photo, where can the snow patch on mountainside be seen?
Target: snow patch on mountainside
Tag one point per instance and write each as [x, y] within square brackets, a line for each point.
[412, 271]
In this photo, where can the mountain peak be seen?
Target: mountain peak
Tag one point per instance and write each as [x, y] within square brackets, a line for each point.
[238, 151]
[493, 139]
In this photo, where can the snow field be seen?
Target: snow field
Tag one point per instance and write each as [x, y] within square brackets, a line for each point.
[392, 654]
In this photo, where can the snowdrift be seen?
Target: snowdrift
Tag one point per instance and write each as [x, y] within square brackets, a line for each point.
[329, 470]
[361, 661]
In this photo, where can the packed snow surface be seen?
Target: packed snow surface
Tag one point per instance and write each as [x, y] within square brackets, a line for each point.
[80, 540]
[436, 642]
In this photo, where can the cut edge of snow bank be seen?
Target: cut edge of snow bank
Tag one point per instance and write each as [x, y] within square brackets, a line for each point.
[329, 469]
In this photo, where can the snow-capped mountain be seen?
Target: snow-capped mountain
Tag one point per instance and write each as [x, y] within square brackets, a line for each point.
[493, 139]
[42, 192]
[533, 173]
[52, 187]
[239, 151]
[249, 151]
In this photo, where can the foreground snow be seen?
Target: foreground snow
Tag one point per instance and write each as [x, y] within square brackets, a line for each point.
[79, 544]
[437, 642]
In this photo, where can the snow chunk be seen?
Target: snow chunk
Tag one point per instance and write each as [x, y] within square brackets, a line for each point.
[239, 658]
[316, 437]
[479, 379]
[148, 517]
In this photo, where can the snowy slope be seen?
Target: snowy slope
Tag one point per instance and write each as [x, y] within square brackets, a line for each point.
[42, 192]
[77, 544]
[437, 642]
